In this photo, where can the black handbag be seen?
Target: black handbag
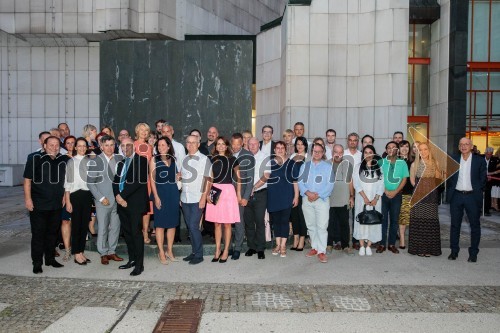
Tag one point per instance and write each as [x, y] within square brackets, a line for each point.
[214, 194]
[369, 217]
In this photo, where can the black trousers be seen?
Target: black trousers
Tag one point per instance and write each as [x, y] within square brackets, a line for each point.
[487, 197]
[44, 225]
[471, 204]
[254, 221]
[338, 226]
[131, 225]
[298, 222]
[82, 204]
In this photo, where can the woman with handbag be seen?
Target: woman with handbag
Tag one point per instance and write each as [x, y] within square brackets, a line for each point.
[369, 187]
[225, 210]
[425, 234]
[165, 193]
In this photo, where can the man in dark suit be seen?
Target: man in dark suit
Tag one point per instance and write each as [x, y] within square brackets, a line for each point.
[267, 144]
[246, 163]
[491, 166]
[131, 193]
[465, 192]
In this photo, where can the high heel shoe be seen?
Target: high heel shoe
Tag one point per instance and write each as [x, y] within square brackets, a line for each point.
[214, 259]
[222, 260]
[80, 263]
[171, 258]
[162, 261]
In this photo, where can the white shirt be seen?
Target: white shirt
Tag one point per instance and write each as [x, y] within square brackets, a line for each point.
[464, 181]
[194, 169]
[262, 165]
[266, 148]
[329, 152]
[357, 156]
[180, 153]
[76, 174]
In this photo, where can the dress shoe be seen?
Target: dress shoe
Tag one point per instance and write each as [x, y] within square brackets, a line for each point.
[88, 260]
[128, 265]
[402, 247]
[37, 269]
[236, 255]
[380, 249]
[453, 256]
[299, 249]
[393, 249]
[261, 255]
[472, 259]
[189, 257]
[104, 260]
[54, 264]
[114, 257]
[80, 263]
[196, 261]
[137, 271]
[356, 246]
[56, 254]
[250, 253]
[337, 247]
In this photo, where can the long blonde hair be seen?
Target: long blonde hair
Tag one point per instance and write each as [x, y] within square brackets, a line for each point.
[432, 160]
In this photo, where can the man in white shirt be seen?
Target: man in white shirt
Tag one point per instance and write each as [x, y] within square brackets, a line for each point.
[353, 155]
[465, 192]
[255, 208]
[195, 175]
[331, 135]
[180, 152]
[267, 143]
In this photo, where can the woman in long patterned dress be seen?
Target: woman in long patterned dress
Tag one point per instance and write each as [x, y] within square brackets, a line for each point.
[425, 236]
[404, 216]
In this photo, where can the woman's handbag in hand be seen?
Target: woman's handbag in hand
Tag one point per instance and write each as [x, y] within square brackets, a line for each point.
[369, 217]
[214, 194]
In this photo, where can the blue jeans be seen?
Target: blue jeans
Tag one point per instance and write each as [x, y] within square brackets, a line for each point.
[192, 215]
[390, 210]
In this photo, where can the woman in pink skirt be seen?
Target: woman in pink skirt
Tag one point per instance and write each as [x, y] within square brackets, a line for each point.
[225, 211]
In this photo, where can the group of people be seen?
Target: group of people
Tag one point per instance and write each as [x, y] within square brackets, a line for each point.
[308, 189]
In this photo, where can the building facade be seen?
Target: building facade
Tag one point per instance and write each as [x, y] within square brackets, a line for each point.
[365, 66]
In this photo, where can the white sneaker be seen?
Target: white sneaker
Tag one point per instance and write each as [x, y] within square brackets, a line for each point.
[362, 251]
[368, 251]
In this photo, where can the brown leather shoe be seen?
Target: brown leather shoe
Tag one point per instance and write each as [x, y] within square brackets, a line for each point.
[104, 260]
[114, 257]
[393, 249]
[380, 249]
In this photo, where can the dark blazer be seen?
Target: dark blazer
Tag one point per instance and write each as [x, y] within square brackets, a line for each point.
[246, 162]
[135, 191]
[478, 177]
[273, 144]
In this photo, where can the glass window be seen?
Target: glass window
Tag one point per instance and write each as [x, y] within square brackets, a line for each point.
[420, 42]
[495, 32]
[480, 33]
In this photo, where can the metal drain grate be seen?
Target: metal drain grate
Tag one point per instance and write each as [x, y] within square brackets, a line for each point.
[180, 316]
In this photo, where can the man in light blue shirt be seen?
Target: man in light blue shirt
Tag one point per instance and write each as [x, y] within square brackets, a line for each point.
[316, 185]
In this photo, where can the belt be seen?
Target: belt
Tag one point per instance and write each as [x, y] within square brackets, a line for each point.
[465, 192]
[260, 191]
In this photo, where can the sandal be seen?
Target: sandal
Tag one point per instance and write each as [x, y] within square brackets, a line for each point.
[276, 251]
[146, 237]
[283, 252]
[67, 255]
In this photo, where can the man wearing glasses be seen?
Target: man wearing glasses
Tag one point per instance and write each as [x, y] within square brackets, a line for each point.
[316, 185]
[465, 192]
[267, 143]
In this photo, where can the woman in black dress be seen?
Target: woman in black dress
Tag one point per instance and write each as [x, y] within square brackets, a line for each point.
[166, 198]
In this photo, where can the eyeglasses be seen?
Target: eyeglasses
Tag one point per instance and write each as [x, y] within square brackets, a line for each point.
[267, 132]
[318, 151]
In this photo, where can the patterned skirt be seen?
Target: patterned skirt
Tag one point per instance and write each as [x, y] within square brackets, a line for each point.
[425, 234]
[404, 215]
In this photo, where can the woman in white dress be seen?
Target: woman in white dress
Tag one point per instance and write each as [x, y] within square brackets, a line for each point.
[369, 186]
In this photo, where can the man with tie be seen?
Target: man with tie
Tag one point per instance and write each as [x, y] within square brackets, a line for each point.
[102, 171]
[131, 195]
[465, 192]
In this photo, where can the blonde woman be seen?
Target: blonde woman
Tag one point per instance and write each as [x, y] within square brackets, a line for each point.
[425, 236]
[108, 130]
[288, 140]
[143, 148]
[90, 134]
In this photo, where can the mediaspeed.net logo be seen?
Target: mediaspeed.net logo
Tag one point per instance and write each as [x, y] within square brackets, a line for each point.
[445, 164]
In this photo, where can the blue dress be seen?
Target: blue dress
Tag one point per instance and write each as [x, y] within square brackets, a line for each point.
[168, 215]
[280, 185]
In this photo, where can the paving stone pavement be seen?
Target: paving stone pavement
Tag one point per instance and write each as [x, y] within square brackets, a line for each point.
[35, 303]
